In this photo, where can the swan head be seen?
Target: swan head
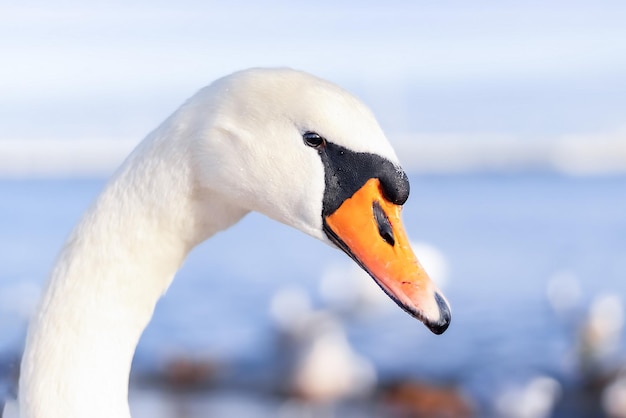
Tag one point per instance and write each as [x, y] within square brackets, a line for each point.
[307, 153]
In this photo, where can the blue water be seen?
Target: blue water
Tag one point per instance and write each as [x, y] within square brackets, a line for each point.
[504, 237]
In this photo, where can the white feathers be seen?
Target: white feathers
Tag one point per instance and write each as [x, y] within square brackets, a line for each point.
[235, 146]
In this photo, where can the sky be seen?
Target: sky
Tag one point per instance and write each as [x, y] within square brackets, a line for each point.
[533, 70]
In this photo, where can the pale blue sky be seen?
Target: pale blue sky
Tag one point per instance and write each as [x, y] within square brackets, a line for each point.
[75, 69]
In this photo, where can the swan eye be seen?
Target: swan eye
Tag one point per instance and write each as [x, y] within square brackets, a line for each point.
[314, 140]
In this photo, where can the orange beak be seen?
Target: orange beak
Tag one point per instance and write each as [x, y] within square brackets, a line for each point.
[368, 228]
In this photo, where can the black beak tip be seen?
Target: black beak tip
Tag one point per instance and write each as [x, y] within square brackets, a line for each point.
[445, 316]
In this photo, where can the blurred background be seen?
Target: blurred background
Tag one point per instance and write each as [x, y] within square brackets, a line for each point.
[509, 119]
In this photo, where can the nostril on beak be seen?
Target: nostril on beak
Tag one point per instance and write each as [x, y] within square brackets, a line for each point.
[384, 226]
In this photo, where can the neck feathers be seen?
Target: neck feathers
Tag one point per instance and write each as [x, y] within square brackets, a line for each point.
[103, 289]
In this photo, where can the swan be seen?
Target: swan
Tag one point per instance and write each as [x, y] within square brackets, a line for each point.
[277, 141]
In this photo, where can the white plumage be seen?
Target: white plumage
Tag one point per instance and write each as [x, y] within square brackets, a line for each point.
[234, 147]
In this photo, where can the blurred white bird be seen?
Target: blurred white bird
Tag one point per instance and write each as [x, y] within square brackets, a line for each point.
[323, 368]
[536, 399]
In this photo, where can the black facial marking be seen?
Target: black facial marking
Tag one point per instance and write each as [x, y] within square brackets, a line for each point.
[347, 171]
[384, 226]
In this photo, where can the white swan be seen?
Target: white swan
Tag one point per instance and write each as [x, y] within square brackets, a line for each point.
[277, 141]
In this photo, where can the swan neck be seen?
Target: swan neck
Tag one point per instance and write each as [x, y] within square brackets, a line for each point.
[101, 294]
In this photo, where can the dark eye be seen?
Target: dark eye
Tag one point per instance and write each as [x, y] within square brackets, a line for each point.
[313, 140]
